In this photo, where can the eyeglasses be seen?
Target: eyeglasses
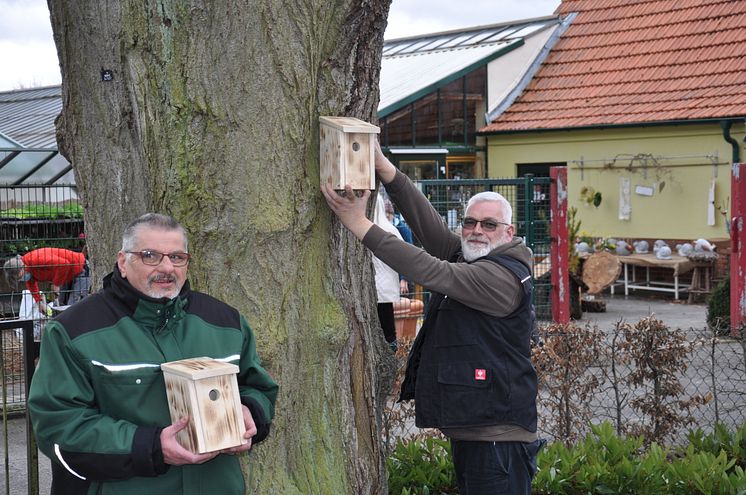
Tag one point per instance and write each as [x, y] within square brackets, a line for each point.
[154, 258]
[487, 225]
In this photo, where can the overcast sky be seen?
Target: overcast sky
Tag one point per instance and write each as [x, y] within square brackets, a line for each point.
[28, 57]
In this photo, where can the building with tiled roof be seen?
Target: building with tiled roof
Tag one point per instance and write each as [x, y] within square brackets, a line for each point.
[437, 88]
[642, 101]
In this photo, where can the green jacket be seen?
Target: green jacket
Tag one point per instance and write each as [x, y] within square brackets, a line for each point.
[98, 400]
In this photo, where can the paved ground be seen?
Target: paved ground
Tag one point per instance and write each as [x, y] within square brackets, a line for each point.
[674, 313]
[16, 461]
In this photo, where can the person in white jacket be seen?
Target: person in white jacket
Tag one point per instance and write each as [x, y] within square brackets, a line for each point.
[387, 280]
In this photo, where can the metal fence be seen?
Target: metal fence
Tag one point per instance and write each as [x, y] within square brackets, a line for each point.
[529, 197]
[16, 370]
[32, 217]
[644, 378]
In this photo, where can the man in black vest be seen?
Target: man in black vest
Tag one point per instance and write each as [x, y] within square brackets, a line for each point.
[469, 370]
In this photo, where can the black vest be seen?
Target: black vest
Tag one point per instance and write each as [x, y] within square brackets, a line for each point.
[467, 368]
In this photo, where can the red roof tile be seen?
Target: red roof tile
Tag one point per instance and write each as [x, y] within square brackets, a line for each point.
[626, 62]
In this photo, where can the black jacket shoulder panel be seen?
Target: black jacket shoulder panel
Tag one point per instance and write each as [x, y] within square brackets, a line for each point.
[212, 310]
[118, 300]
[91, 313]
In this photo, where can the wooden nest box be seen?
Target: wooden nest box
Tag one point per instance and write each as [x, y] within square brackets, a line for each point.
[347, 152]
[206, 390]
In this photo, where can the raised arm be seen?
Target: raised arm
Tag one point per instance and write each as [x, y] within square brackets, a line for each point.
[385, 170]
[424, 221]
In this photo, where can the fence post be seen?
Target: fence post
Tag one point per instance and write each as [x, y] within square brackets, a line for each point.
[738, 249]
[559, 246]
[528, 211]
[32, 453]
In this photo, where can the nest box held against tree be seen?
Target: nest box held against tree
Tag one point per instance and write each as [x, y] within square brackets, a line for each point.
[347, 152]
[206, 390]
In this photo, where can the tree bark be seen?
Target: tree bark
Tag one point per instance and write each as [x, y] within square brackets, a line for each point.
[211, 115]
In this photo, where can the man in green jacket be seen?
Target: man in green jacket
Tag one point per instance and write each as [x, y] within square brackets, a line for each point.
[98, 400]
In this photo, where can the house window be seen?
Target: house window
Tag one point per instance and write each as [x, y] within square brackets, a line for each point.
[446, 117]
[426, 121]
[419, 169]
[397, 128]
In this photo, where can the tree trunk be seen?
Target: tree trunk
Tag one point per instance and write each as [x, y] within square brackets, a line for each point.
[211, 115]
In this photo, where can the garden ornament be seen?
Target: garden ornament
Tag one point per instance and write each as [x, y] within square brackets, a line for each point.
[663, 253]
[684, 249]
[641, 247]
[703, 245]
[622, 248]
[658, 244]
[582, 247]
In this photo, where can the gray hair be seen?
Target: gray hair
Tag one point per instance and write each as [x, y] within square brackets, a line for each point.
[13, 269]
[153, 221]
[497, 198]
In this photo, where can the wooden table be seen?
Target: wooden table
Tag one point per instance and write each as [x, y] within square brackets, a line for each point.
[679, 264]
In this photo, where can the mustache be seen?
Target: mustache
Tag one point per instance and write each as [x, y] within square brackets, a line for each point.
[475, 237]
[162, 278]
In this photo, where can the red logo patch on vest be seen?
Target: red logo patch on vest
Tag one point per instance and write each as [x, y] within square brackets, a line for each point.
[480, 374]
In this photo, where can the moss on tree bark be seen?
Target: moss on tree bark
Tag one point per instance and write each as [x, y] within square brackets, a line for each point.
[212, 116]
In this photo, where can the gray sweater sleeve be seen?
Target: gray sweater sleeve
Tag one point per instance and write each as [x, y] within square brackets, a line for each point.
[482, 284]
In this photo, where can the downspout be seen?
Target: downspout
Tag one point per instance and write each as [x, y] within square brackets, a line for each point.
[726, 125]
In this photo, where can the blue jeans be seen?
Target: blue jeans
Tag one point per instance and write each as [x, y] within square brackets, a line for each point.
[493, 468]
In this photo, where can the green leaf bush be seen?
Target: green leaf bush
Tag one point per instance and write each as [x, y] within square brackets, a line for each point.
[601, 463]
[42, 210]
[422, 467]
[721, 439]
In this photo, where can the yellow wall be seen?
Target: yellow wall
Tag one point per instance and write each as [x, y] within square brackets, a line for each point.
[678, 211]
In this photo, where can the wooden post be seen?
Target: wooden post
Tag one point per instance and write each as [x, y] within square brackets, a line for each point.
[738, 249]
[560, 277]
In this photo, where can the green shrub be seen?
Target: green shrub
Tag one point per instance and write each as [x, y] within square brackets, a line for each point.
[601, 463]
[605, 463]
[732, 443]
[421, 467]
[41, 210]
[718, 308]
[706, 473]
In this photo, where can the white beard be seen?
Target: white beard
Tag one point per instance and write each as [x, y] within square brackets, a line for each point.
[472, 253]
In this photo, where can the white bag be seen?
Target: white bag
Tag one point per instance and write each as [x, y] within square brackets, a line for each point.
[29, 310]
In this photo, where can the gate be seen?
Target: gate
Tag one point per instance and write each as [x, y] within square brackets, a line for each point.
[530, 198]
[18, 358]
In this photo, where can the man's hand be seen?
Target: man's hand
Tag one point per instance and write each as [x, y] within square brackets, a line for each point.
[176, 455]
[349, 208]
[248, 421]
[385, 170]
